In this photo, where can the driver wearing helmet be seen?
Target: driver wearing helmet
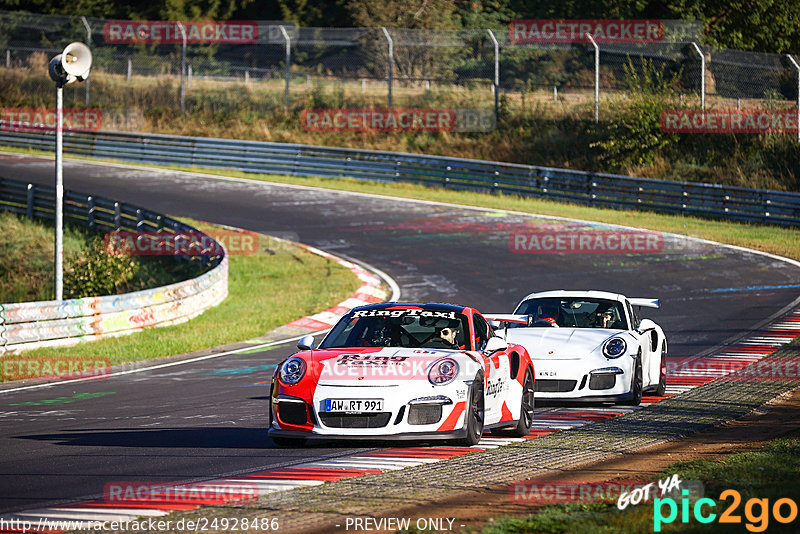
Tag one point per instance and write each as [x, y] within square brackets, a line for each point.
[548, 313]
[603, 317]
[444, 338]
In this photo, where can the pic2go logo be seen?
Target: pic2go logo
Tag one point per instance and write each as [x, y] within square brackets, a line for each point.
[756, 511]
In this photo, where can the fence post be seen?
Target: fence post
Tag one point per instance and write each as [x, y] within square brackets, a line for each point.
[702, 76]
[391, 61]
[31, 199]
[183, 66]
[288, 63]
[496, 69]
[797, 67]
[596, 78]
[189, 75]
[90, 205]
[8, 58]
[89, 44]
[130, 69]
[117, 216]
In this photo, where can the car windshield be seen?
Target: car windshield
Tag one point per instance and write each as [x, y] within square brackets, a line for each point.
[575, 312]
[400, 327]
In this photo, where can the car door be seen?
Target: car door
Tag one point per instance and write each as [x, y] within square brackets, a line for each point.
[651, 362]
[496, 371]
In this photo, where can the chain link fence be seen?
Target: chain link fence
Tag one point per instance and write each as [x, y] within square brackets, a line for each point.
[372, 68]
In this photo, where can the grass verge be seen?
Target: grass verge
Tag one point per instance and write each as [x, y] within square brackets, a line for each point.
[769, 474]
[26, 265]
[265, 290]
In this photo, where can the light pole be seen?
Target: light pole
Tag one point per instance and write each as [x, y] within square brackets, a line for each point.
[69, 66]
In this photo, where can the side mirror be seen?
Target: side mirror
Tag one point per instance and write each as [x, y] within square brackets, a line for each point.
[305, 343]
[494, 344]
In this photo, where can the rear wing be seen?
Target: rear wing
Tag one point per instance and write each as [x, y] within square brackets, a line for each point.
[507, 318]
[648, 303]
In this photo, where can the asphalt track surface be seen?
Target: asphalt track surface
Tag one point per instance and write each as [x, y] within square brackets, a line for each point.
[206, 419]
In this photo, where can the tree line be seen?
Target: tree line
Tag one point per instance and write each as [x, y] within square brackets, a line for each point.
[756, 25]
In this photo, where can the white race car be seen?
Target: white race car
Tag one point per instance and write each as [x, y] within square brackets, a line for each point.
[403, 371]
[589, 346]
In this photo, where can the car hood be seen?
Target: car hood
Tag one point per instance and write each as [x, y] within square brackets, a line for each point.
[377, 366]
[560, 343]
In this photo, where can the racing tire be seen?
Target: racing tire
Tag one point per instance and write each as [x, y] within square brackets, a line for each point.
[661, 390]
[636, 384]
[474, 412]
[525, 421]
[286, 443]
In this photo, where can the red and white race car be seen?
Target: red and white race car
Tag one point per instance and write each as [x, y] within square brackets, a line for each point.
[403, 371]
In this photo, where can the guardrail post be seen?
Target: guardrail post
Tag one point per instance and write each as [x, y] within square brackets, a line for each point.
[596, 78]
[183, 66]
[90, 205]
[139, 219]
[702, 76]
[29, 206]
[117, 216]
[288, 63]
[89, 44]
[496, 69]
[797, 67]
[391, 61]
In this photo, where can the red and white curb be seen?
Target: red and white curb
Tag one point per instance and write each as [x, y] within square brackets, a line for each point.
[314, 473]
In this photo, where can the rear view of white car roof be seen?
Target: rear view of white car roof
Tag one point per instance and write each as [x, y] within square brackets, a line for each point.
[588, 294]
[649, 302]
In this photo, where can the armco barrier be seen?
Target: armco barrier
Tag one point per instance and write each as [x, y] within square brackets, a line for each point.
[39, 324]
[595, 189]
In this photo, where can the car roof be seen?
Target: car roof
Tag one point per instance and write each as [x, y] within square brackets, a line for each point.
[587, 294]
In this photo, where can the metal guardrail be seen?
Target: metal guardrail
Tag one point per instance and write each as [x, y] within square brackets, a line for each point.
[594, 189]
[39, 324]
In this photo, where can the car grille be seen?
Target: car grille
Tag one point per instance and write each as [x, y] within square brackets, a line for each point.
[424, 414]
[602, 380]
[292, 413]
[348, 420]
[554, 386]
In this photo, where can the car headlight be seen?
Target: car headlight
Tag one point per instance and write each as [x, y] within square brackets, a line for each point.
[615, 347]
[292, 370]
[443, 371]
